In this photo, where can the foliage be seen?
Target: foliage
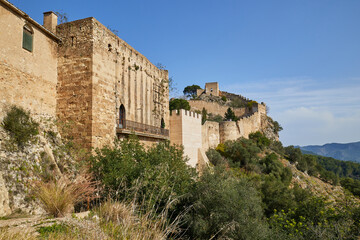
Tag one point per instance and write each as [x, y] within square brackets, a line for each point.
[215, 157]
[225, 207]
[237, 103]
[353, 185]
[276, 126]
[251, 104]
[215, 118]
[230, 115]
[260, 139]
[126, 164]
[242, 153]
[203, 116]
[223, 98]
[62, 17]
[56, 228]
[58, 196]
[178, 103]
[20, 126]
[190, 91]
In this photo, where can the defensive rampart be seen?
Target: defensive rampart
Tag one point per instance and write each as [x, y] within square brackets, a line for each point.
[185, 130]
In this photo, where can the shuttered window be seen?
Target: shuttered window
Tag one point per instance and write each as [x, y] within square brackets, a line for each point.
[28, 36]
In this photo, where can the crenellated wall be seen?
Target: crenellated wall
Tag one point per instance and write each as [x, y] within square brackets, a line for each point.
[186, 130]
[214, 133]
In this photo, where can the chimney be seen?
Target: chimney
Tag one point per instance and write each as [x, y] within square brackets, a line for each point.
[50, 21]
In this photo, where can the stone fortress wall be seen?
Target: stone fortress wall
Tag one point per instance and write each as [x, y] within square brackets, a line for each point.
[213, 133]
[186, 130]
[111, 73]
[27, 78]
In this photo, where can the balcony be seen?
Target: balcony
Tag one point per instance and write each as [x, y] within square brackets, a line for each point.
[140, 129]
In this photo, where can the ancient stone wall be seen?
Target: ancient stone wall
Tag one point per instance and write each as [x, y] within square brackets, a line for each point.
[186, 130]
[27, 79]
[212, 88]
[210, 135]
[110, 73]
[75, 87]
[214, 108]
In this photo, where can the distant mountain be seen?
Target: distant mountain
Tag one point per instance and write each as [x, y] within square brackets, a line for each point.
[341, 151]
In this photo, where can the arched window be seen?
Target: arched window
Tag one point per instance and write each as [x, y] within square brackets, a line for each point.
[28, 36]
[162, 123]
[122, 116]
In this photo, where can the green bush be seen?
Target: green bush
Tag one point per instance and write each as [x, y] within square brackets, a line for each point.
[260, 139]
[224, 98]
[225, 207]
[159, 169]
[178, 103]
[215, 157]
[20, 126]
[242, 152]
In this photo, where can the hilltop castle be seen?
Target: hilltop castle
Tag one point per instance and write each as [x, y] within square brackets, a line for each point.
[82, 73]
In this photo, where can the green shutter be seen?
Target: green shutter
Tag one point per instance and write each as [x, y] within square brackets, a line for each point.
[27, 40]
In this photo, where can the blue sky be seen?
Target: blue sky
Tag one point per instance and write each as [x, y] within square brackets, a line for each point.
[302, 58]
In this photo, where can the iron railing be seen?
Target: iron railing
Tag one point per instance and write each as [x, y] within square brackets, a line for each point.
[144, 128]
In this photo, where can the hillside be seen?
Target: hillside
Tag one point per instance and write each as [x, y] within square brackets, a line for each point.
[341, 151]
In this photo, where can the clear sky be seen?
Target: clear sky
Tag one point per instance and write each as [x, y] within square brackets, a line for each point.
[301, 57]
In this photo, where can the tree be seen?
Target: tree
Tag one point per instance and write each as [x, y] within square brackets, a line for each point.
[190, 91]
[203, 116]
[62, 17]
[230, 115]
[179, 103]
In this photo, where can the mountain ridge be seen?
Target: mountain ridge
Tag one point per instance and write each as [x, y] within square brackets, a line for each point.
[341, 151]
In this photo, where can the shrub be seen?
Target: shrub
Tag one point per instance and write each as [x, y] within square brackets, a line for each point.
[215, 157]
[225, 207]
[243, 152]
[224, 98]
[161, 168]
[178, 103]
[260, 139]
[215, 118]
[58, 196]
[20, 126]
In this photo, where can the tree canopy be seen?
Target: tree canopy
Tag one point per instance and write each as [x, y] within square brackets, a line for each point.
[179, 103]
[190, 91]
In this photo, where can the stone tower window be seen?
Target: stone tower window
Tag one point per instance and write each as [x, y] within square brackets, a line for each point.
[28, 36]
[122, 116]
[162, 123]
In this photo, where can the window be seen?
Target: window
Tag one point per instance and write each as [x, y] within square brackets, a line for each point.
[28, 35]
[162, 123]
[122, 117]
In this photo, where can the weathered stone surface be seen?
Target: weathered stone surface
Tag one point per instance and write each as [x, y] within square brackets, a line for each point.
[4, 198]
[99, 72]
[27, 79]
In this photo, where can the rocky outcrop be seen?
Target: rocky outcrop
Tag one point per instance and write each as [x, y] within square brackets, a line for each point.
[46, 156]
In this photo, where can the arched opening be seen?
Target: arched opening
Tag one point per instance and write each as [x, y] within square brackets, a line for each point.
[28, 35]
[162, 123]
[122, 117]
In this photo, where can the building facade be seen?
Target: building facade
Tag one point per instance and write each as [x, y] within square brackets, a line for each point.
[83, 74]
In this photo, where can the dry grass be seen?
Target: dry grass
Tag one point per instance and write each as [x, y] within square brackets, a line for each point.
[125, 221]
[6, 234]
[58, 196]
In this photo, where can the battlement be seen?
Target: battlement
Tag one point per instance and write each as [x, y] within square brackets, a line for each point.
[185, 113]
